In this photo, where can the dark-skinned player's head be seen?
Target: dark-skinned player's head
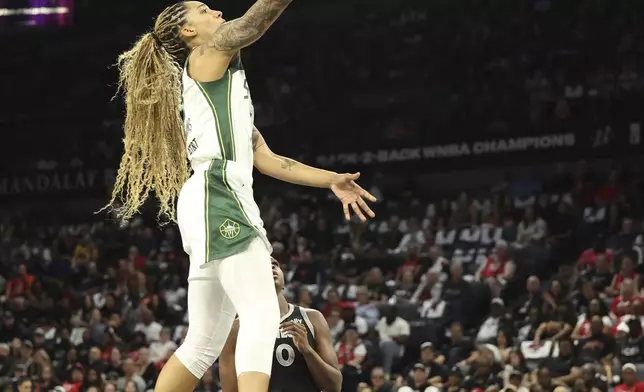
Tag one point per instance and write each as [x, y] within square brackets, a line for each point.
[278, 275]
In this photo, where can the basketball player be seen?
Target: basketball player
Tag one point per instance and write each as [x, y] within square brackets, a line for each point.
[218, 218]
[304, 359]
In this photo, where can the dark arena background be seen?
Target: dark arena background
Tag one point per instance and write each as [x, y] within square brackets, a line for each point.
[502, 139]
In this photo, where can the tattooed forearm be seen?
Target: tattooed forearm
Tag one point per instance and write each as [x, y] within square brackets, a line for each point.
[288, 163]
[258, 139]
[239, 33]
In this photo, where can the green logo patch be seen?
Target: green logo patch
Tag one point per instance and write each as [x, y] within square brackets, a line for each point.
[229, 229]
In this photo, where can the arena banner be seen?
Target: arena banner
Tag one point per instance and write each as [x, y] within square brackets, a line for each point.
[451, 150]
[602, 142]
[71, 182]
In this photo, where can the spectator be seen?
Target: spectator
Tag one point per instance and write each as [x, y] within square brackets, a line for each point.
[562, 369]
[414, 238]
[393, 332]
[490, 327]
[150, 327]
[130, 376]
[366, 307]
[533, 299]
[591, 380]
[454, 381]
[418, 380]
[457, 293]
[630, 381]
[582, 328]
[531, 229]
[601, 275]
[497, 269]
[620, 305]
[514, 383]
[631, 343]
[433, 364]
[24, 384]
[598, 348]
[351, 351]
[146, 367]
[483, 377]
[93, 379]
[559, 325]
[161, 349]
[76, 380]
[207, 383]
[627, 271]
[377, 381]
[48, 380]
[458, 349]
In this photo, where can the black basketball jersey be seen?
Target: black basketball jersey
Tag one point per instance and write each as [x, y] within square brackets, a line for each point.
[290, 373]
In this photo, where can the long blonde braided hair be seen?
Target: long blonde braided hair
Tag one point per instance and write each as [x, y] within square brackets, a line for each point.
[154, 156]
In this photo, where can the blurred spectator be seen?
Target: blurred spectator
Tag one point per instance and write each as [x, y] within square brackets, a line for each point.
[393, 332]
[630, 380]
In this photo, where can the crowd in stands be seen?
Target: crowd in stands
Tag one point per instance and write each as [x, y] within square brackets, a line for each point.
[528, 286]
[466, 69]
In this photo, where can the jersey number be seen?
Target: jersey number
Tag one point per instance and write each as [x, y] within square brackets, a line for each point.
[285, 360]
[247, 89]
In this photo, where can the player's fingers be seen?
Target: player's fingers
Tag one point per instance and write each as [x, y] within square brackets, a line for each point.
[345, 208]
[368, 195]
[364, 207]
[291, 327]
[357, 211]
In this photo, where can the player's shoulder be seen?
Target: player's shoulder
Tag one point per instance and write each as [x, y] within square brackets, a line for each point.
[316, 317]
[308, 311]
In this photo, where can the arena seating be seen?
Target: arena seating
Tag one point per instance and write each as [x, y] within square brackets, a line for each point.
[534, 282]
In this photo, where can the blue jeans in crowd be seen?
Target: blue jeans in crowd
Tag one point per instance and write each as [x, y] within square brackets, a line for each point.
[390, 354]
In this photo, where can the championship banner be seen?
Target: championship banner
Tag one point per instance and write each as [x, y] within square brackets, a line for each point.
[566, 146]
[452, 150]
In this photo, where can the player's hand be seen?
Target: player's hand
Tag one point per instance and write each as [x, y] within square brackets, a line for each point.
[352, 194]
[298, 334]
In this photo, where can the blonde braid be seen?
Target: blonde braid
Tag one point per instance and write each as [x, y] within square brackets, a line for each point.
[154, 156]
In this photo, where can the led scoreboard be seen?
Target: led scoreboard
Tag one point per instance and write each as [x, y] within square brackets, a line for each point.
[35, 13]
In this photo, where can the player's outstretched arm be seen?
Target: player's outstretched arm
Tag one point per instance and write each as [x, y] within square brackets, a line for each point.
[239, 33]
[227, 370]
[289, 170]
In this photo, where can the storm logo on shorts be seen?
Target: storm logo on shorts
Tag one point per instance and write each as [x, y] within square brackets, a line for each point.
[229, 229]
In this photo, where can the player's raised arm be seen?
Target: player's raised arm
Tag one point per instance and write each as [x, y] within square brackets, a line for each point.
[239, 33]
[289, 170]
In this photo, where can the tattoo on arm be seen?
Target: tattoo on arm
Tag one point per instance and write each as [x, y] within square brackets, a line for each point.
[241, 32]
[288, 163]
[258, 140]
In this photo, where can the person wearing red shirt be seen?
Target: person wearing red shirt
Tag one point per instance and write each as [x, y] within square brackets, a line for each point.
[626, 272]
[350, 350]
[21, 283]
[630, 381]
[624, 301]
[333, 302]
[588, 258]
[497, 269]
[76, 382]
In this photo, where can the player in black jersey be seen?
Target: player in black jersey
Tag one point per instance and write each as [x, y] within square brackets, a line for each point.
[304, 359]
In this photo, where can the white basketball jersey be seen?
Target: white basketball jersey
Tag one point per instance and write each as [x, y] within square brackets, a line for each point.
[219, 120]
